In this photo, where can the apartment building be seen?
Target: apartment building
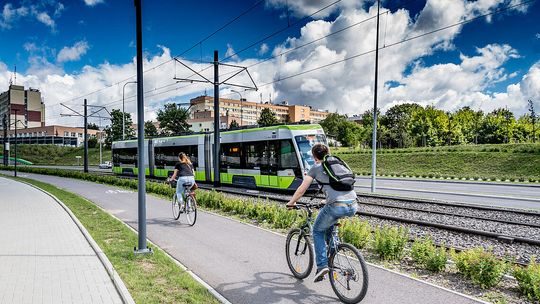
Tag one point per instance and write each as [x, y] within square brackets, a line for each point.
[23, 106]
[246, 113]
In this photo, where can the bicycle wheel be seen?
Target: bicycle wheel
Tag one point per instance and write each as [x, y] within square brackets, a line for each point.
[299, 253]
[191, 210]
[175, 207]
[348, 274]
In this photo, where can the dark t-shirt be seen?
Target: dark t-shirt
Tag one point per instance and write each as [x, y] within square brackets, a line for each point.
[184, 169]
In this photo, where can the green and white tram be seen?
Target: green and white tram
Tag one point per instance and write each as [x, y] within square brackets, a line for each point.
[274, 157]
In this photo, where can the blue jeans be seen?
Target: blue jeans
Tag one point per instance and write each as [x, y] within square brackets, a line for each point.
[323, 226]
[180, 189]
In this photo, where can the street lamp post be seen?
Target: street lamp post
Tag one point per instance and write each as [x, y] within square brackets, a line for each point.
[15, 110]
[123, 111]
[241, 107]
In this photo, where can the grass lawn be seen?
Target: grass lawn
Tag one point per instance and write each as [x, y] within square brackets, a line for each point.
[57, 155]
[520, 162]
[149, 278]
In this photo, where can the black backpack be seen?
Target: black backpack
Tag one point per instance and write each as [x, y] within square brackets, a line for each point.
[339, 174]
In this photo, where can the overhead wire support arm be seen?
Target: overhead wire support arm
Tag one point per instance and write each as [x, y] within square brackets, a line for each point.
[206, 80]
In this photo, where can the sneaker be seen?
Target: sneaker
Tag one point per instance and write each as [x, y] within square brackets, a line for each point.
[319, 276]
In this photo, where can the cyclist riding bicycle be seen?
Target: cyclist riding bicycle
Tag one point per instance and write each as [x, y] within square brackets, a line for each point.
[339, 204]
[184, 171]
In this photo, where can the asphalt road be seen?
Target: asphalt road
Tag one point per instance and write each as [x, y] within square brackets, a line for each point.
[243, 263]
[513, 195]
[524, 196]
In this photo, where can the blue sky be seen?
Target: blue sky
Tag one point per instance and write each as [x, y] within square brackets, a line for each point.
[83, 45]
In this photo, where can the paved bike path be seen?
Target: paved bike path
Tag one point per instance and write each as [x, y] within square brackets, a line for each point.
[243, 263]
[44, 257]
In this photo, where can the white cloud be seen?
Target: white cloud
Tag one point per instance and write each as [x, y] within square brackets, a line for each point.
[93, 2]
[73, 53]
[10, 15]
[537, 35]
[263, 49]
[44, 18]
[230, 52]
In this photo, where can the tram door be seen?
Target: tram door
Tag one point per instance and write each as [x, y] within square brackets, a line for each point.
[269, 164]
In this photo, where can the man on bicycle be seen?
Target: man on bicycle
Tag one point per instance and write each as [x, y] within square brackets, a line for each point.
[339, 204]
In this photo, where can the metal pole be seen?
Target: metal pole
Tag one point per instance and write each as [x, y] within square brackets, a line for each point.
[140, 137]
[4, 123]
[124, 111]
[99, 138]
[85, 136]
[216, 119]
[374, 143]
[15, 110]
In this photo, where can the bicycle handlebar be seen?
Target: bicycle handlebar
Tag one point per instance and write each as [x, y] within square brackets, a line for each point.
[300, 205]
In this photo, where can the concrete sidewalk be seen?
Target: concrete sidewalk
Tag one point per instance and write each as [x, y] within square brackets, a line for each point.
[243, 263]
[44, 257]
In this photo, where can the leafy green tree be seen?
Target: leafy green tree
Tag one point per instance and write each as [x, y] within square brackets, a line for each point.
[150, 129]
[497, 127]
[397, 121]
[331, 124]
[534, 119]
[523, 129]
[349, 133]
[429, 126]
[173, 119]
[114, 131]
[92, 126]
[234, 125]
[92, 142]
[469, 122]
[267, 118]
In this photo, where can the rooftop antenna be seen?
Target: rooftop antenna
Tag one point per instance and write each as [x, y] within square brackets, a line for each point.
[15, 75]
[261, 97]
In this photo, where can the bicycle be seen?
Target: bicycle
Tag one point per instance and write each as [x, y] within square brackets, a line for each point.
[345, 262]
[189, 208]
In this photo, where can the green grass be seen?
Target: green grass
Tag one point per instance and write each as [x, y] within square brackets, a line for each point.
[150, 278]
[58, 155]
[461, 164]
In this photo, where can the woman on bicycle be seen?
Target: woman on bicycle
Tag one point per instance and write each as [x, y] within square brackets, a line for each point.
[184, 171]
[339, 204]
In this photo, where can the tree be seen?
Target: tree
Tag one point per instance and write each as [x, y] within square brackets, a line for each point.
[468, 122]
[349, 133]
[429, 126]
[92, 142]
[150, 129]
[93, 126]
[114, 131]
[397, 120]
[534, 118]
[173, 119]
[331, 124]
[497, 127]
[267, 118]
[234, 125]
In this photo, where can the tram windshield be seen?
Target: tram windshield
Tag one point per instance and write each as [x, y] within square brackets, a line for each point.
[305, 142]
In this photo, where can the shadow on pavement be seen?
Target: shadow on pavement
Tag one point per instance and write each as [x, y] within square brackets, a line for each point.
[273, 287]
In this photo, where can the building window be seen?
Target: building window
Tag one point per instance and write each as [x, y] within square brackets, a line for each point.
[73, 134]
[66, 134]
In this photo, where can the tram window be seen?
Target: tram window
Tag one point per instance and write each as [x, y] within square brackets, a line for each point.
[287, 157]
[255, 154]
[168, 156]
[231, 156]
[273, 150]
[126, 157]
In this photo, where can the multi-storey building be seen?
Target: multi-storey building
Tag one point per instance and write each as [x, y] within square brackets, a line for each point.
[52, 135]
[246, 113]
[22, 106]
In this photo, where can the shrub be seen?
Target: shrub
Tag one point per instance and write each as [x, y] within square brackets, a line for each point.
[425, 253]
[355, 232]
[389, 242]
[529, 280]
[482, 267]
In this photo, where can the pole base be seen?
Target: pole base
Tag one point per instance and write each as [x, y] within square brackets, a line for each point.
[144, 251]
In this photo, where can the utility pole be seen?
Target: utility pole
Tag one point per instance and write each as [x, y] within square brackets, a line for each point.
[216, 84]
[143, 249]
[217, 182]
[15, 110]
[5, 125]
[85, 116]
[374, 143]
[85, 136]
[124, 111]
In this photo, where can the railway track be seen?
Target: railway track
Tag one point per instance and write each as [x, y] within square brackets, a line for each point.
[499, 222]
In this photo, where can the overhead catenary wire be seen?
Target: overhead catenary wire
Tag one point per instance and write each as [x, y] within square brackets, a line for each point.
[401, 42]
[245, 12]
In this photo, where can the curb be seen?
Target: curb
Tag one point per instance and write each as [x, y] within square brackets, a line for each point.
[115, 278]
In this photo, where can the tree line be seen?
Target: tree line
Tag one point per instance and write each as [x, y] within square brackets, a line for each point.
[411, 125]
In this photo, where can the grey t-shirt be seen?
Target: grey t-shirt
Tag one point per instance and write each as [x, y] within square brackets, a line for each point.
[317, 172]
